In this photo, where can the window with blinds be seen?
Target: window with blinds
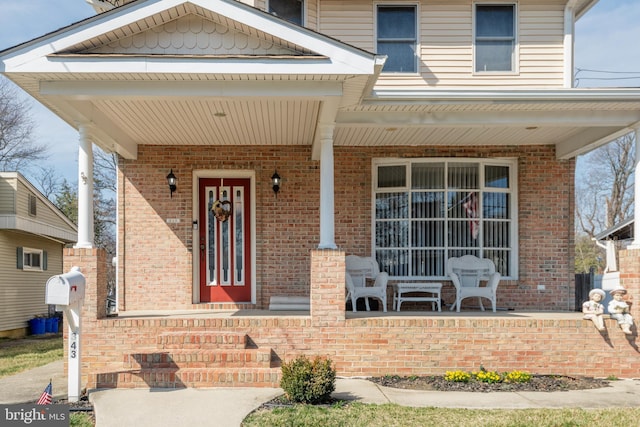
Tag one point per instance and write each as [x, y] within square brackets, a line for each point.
[428, 210]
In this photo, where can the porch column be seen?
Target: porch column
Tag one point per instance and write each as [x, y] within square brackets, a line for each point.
[327, 224]
[636, 213]
[85, 190]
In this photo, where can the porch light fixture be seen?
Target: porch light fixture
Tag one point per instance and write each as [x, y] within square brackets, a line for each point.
[275, 182]
[171, 180]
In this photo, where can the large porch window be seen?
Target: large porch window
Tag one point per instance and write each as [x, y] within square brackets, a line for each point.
[428, 210]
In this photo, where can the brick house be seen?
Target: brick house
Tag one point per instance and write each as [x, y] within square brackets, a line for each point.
[378, 154]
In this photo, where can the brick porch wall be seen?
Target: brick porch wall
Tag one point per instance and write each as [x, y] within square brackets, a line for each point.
[155, 266]
[374, 346]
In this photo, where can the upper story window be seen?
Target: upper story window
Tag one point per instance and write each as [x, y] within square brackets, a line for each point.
[429, 210]
[495, 37]
[291, 10]
[397, 38]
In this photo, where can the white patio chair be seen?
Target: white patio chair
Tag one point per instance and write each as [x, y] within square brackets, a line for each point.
[358, 270]
[467, 273]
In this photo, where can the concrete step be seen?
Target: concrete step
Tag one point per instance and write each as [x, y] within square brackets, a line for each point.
[289, 303]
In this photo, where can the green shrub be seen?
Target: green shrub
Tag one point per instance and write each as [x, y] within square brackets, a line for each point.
[307, 381]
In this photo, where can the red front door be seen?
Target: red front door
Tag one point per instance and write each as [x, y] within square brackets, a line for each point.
[225, 240]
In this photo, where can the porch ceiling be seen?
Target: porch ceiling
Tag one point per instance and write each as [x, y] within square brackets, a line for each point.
[193, 109]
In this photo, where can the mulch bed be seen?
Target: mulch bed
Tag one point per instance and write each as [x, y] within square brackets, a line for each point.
[538, 383]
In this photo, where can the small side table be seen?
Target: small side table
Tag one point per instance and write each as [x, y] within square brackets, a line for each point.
[433, 289]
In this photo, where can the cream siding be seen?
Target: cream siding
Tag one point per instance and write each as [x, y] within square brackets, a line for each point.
[192, 35]
[350, 22]
[311, 14]
[8, 196]
[446, 42]
[22, 292]
[44, 214]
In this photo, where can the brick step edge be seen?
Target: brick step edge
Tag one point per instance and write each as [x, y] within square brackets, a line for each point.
[200, 358]
[189, 378]
[201, 340]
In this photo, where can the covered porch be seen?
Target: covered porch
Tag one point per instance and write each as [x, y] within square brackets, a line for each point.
[203, 348]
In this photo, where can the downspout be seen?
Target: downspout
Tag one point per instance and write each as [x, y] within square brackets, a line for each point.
[636, 212]
[569, 29]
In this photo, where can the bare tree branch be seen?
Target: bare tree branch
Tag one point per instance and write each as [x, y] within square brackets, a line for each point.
[17, 149]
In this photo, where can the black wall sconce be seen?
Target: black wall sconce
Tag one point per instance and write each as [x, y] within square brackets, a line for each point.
[275, 182]
[171, 180]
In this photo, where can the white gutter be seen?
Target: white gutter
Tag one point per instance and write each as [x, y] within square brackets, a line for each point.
[502, 95]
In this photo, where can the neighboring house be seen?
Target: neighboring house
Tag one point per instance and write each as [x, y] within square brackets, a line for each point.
[33, 233]
[409, 131]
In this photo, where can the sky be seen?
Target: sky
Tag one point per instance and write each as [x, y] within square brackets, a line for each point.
[607, 40]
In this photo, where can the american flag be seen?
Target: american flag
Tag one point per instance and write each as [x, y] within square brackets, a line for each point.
[45, 397]
[471, 208]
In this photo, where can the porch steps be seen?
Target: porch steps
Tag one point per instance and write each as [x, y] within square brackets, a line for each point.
[195, 359]
[289, 303]
[237, 358]
[190, 378]
[202, 340]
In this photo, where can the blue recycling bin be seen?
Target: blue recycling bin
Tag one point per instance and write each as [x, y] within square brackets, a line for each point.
[51, 325]
[37, 326]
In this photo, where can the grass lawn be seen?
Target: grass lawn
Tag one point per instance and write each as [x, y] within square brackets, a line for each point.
[17, 355]
[389, 415]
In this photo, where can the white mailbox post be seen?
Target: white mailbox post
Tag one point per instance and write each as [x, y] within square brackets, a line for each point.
[66, 291]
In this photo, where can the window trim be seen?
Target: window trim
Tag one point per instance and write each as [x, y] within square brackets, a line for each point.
[26, 252]
[515, 63]
[417, 55]
[512, 163]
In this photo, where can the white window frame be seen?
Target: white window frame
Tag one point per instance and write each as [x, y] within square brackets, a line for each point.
[302, 18]
[416, 59]
[513, 206]
[516, 50]
[26, 255]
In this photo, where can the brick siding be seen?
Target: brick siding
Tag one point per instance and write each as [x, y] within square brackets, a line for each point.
[155, 269]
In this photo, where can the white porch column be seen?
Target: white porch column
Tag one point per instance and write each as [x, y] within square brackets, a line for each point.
[85, 190]
[636, 195]
[327, 223]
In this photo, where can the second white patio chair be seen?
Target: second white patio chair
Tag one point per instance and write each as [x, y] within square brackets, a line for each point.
[467, 273]
[358, 270]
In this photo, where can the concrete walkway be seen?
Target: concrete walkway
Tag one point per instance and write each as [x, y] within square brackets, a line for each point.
[229, 406]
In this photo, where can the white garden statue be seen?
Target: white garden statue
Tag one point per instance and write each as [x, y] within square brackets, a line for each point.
[593, 309]
[619, 310]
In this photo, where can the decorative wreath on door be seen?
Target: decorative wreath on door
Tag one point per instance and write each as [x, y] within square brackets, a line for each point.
[221, 210]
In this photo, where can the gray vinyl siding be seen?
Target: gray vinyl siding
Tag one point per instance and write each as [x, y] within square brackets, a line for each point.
[22, 292]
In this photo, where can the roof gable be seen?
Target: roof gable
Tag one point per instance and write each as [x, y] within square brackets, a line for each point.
[189, 34]
[182, 27]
